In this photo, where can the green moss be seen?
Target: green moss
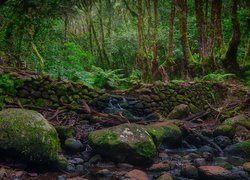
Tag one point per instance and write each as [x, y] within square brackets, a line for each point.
[65, 132]
[157, 135]
[103, 137]
[244, 146]
[146, 150]
[225, 130]
[169, 133]
[28, 133]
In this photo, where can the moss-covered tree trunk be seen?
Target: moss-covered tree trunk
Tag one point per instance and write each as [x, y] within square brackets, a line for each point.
[229, 60]
[140, 37]
[201, 26]
[182, 15]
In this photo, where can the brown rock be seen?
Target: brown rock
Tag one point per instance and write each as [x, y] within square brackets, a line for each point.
[159, 167]
[189, 171]
[136, 175]
[246, 167]
[215, 173]
[76, 178]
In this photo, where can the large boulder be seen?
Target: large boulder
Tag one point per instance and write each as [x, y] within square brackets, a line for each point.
[126, 142]
[29, 134]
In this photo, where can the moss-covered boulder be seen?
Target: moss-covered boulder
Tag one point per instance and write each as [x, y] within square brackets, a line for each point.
[29, 135]
[225, 130]
[124, 143]
[240, 149]
[165, 132]
[239, 120]
[179, 112]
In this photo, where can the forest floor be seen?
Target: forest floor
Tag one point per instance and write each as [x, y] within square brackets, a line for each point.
[199, 147]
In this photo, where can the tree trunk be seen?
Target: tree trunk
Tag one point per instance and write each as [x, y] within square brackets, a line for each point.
[156, 75]
[211, 39]
[171, 31]
[103, 48]
[149, 25]
[182, 14]
[229, 60]
[219, 33]
[201, 26]
[140, 37]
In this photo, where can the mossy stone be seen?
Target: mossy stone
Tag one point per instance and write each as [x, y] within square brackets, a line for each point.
[65, 132]
[165, 132]
[29, 134]
[239, 120]
[224, 130]
[124, 143]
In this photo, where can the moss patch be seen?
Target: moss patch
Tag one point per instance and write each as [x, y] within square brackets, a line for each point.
[225, 130]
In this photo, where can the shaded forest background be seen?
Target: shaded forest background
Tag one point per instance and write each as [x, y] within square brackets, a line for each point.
[118, 43]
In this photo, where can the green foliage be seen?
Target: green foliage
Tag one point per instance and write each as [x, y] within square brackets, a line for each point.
[217, 77]
[8, 85]
[108, 79]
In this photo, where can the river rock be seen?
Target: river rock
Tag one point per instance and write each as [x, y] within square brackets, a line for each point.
[189, 171]
[224, 130]
[246, 167]
[179, 112]
[124, 143]
[136, 175]
[165, 176]
[240, 149]
[160, 167]
[73, 145]
[241, 120]
[29, 134]
[222, 141]
[215, 173]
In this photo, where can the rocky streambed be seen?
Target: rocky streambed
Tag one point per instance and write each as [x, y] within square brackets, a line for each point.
[196, 130]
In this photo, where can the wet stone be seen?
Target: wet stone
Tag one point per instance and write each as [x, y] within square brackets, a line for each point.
[136, 175]
[189, 171]
[159, 167]
[73, 145]
[199, 162]
[222, 141]
[78, 160]
[104, 173]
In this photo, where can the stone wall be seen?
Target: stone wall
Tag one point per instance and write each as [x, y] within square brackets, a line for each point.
[145, 99]
[43, 91]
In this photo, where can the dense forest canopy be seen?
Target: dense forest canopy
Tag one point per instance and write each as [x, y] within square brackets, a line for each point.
[125, 41]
